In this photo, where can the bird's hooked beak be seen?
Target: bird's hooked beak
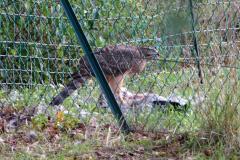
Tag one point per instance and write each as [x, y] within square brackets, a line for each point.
[150, 53]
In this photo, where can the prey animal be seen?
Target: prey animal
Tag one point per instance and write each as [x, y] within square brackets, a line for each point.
[116, 61]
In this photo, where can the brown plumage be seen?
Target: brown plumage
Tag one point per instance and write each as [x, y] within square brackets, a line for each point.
[116, 62]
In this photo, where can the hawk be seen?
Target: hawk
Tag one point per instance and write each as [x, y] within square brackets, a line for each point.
[116, 62]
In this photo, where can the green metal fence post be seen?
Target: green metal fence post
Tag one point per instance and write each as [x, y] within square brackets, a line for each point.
[195, 43]
[95, 66]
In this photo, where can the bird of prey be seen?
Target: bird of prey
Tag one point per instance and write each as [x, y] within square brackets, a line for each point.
[116, 61]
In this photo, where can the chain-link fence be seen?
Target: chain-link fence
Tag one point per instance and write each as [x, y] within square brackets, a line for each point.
[194, 80]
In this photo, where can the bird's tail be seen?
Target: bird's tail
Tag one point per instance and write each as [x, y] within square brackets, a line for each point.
[67, 91]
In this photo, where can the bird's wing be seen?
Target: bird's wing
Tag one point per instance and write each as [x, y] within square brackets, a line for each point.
[116, 60]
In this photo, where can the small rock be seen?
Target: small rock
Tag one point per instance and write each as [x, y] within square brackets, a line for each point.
[31, 136]
[1, 140]
[12, 125]
[78, 142]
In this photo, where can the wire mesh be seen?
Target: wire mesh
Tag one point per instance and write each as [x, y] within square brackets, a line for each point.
[39, 52]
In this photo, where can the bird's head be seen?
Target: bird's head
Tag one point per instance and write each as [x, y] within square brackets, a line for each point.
[149, 53]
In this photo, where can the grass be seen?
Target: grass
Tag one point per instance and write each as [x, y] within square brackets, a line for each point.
[206, 130]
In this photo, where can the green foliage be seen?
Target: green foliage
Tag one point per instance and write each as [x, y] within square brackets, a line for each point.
[68, 122]
[40, 121]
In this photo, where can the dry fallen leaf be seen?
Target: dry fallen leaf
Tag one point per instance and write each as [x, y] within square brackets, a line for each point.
[208, 152]
[2, 127]
[59, 116]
